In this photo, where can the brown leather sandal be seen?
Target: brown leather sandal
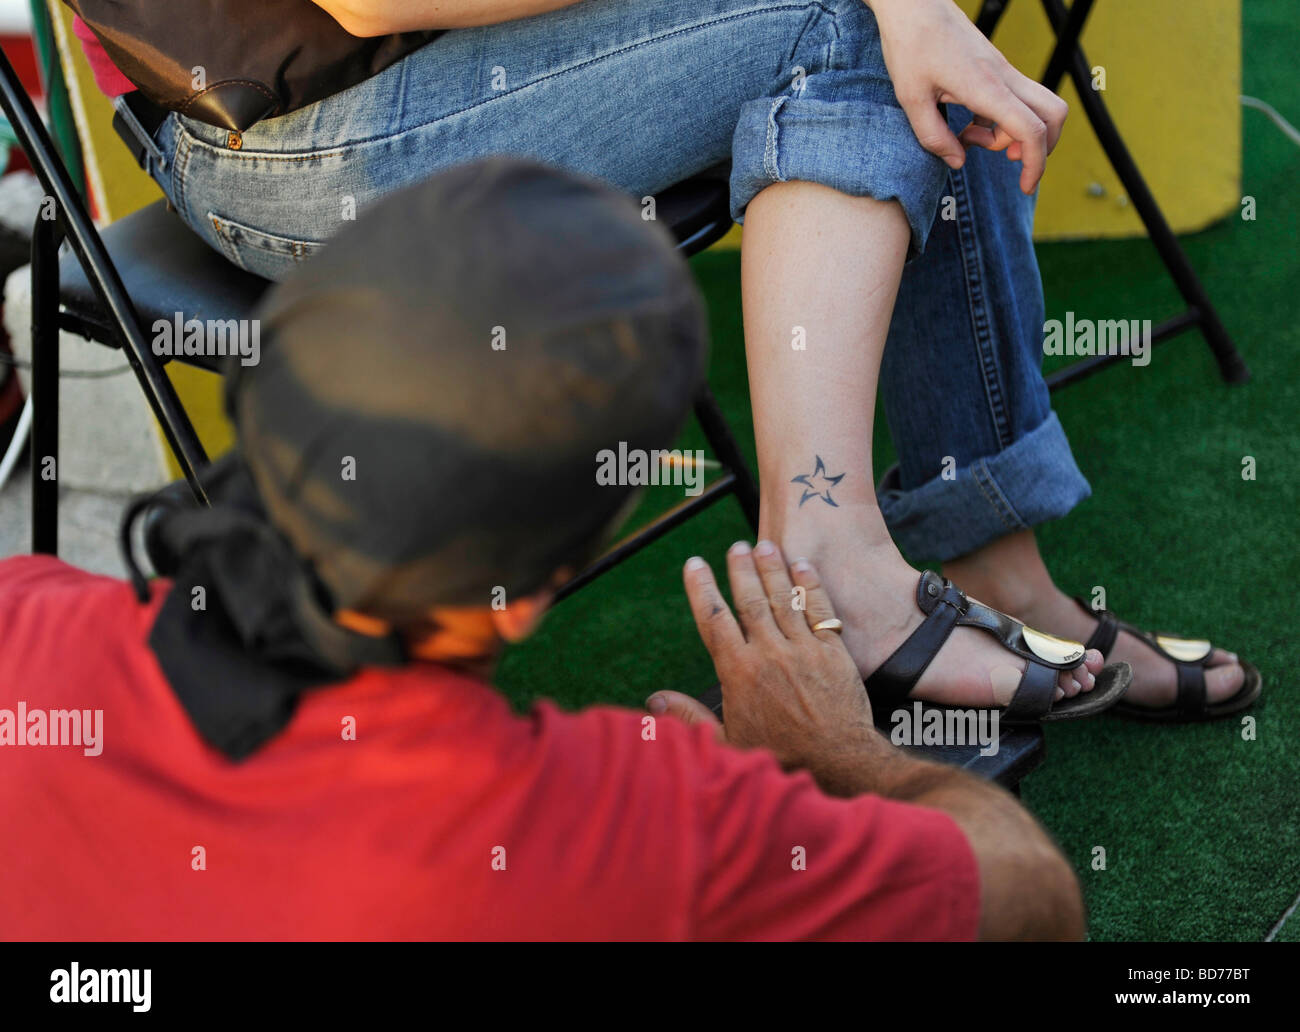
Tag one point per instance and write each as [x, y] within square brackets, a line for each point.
[1190, 657]
[946, 607]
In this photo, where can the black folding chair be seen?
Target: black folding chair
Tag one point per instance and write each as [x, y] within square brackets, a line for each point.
[1067, 56]
[150, 265]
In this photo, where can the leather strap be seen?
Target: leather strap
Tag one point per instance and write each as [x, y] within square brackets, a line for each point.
[947, 607]
[1103, 638]
[1191, 700]
[1034, 695]
[1191, 689]
[895, 678]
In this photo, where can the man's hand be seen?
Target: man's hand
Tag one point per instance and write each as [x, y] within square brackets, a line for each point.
[785, 687]
[936, 55]
[799, 694]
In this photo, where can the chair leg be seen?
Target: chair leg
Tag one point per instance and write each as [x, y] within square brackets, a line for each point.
[990, 13]
[76, 224]
[1067, 41]
[46, 237]
[1231, 365]
[723, 443]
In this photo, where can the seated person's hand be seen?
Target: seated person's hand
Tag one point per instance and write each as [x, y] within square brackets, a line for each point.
[786, 687]
[935, 55]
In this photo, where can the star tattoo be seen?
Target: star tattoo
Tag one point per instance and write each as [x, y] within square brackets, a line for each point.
[817, 484]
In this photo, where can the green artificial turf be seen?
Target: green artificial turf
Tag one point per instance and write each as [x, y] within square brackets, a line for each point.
[1200, 827]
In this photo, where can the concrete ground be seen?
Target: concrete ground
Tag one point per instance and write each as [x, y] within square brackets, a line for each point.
[109, 449]
[88, 522]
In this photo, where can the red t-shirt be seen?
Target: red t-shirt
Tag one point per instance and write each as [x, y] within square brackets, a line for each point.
[447, 816]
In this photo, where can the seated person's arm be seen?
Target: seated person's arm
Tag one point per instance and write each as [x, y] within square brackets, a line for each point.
[799, 694]
[381, 17]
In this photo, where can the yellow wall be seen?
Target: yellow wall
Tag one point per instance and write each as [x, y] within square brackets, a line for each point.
[1173, 79]
[1173, 83]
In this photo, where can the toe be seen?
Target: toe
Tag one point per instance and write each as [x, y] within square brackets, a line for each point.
[1083, 677]
[1065, 680]
[1220, 657]
[1223, 682]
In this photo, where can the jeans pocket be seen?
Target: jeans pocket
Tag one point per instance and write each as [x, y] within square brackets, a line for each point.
[264, 254]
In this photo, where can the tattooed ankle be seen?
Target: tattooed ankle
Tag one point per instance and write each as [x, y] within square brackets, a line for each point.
[818, 484]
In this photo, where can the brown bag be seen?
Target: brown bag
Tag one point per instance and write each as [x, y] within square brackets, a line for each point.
[232, 63]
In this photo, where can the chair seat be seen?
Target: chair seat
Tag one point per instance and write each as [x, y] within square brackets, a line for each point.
[697, 211]
[167, 268]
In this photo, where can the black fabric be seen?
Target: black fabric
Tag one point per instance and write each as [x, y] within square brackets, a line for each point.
[245, 629]
[236, 695]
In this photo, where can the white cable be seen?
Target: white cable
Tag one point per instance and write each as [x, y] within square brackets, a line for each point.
[17, 444]
[1292, 133]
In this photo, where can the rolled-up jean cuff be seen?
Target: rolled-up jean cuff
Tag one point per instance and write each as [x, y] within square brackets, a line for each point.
[861, 148]
[1033, 481]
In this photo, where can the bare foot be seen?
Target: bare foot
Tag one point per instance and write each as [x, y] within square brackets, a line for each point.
[1155, 679]
[874, 592]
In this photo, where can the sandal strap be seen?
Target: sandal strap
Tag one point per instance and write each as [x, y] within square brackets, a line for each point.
[1191, 701]
[1034, 695]
[1107, 630]
[946, 607]
[894, 679]
[1015, 637]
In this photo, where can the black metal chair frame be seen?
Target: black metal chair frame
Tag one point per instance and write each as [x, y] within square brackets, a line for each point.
[121, 328]
[1068, 57]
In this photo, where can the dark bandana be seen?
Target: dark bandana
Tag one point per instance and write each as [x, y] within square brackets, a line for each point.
[245, 628]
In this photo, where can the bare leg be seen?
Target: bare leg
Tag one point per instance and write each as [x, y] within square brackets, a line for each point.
[1009, 574]
[819, 273]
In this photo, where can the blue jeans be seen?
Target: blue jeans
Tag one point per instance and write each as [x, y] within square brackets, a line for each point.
[980, 451]
[641, 95]
[644, 95]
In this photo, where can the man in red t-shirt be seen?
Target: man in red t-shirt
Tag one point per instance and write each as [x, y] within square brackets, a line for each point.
[294, 737]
